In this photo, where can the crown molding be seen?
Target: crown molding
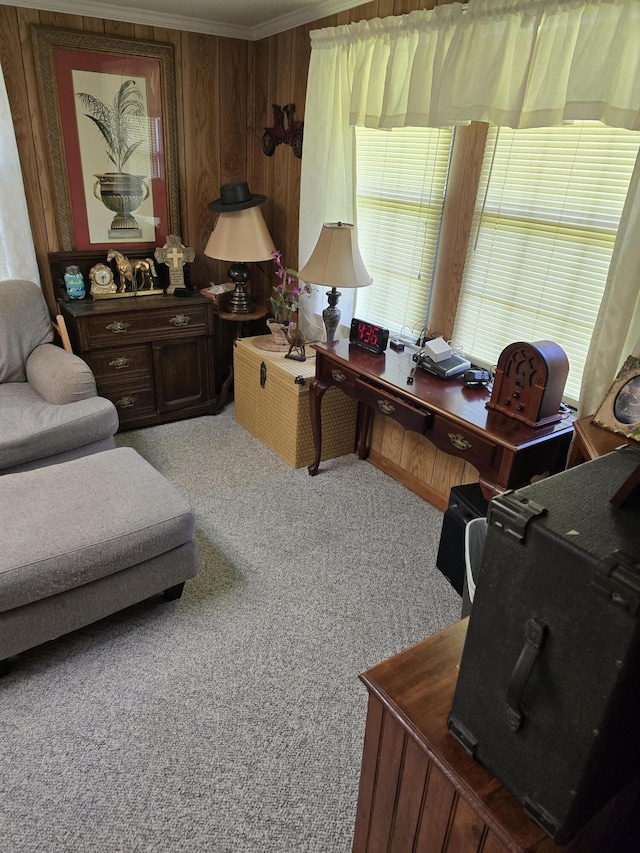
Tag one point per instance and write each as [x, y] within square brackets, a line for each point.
[101, 9]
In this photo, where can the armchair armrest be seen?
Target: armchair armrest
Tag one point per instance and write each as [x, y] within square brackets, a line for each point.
[58, 376]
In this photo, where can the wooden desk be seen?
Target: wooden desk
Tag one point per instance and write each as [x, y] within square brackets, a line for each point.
[506, 453]
[592, 441]
[420, 792]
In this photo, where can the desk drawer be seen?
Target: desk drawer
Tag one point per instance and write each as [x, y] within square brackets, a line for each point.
[138, 326]
[458, 441]
[335, 374]
[416, 420]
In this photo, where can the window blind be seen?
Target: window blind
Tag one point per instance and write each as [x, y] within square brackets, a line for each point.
[401, 177]
[547, 212]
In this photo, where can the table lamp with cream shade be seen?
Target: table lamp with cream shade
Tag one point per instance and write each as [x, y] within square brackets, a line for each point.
[241, 236]
[335, 262]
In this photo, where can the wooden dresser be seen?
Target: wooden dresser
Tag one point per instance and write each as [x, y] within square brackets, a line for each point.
[152, 356]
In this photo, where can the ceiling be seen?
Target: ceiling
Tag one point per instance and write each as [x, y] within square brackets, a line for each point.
[245, 19]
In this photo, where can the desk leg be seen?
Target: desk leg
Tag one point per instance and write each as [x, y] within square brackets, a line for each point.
[364, 424]
[316, 392]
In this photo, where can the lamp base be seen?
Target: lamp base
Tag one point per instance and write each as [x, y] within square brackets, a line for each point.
[238, 300]
[331, 314]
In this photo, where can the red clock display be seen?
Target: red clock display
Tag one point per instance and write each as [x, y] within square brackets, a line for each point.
[368, 336]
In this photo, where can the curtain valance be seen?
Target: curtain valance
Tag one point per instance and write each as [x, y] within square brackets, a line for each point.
[514, 63]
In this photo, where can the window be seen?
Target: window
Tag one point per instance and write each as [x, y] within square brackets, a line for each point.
[547, 212]
[401, 180]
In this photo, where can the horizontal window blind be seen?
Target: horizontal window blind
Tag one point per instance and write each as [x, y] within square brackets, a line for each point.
[547, 212]
[401, 178]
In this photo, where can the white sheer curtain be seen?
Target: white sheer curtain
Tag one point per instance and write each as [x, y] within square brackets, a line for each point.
[515, 63]
[17, 254]
[327, 184]
[617, 329]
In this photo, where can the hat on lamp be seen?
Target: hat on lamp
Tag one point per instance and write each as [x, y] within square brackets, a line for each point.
[235, 196]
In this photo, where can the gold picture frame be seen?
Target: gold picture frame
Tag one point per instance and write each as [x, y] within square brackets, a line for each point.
[74, 66]
[620, 409]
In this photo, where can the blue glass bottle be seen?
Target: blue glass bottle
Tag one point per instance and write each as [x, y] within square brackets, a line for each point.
[74, 282]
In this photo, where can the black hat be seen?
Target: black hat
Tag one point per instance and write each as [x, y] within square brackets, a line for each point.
[235, 196]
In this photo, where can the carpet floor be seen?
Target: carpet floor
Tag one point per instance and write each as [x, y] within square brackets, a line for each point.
[232, 719]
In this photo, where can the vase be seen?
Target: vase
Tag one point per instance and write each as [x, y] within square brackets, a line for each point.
[278, 330]
[122, 194]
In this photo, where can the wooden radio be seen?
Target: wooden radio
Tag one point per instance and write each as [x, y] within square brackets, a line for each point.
[529, 382]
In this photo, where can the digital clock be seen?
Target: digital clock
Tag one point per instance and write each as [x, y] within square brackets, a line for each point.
[367, 336]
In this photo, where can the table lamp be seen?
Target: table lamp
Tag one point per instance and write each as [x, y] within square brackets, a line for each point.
[240, 235]
[335, 262]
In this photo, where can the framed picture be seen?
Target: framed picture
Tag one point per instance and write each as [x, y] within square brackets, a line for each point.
[620, 409]
[109, 106]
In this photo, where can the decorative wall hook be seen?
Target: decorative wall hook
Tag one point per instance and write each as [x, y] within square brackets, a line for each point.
[291, 135]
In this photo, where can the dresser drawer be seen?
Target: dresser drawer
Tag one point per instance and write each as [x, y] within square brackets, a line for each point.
[416, 420]
[132, 400]
[139, 326]
[120, 364]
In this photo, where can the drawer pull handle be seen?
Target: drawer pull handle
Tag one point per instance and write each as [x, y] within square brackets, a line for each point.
[386, 407]
[118, 326]
[120, 363]
[180, 320]
[338, 375]
[126, 402]
[459, 441]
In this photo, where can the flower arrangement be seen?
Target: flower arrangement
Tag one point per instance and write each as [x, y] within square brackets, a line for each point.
[286, 300]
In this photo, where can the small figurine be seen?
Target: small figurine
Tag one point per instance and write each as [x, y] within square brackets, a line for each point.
[296, 342]
[148, 275]
[125, 270]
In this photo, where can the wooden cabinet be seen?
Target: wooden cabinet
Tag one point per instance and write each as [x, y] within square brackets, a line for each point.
[420, 792]
[152, 356]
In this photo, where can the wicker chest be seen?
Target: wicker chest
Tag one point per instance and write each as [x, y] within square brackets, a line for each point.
[272, 402]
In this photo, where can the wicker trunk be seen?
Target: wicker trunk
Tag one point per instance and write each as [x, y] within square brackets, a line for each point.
[272, 402]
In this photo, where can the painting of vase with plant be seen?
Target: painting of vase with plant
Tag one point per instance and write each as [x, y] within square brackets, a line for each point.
[114, 134]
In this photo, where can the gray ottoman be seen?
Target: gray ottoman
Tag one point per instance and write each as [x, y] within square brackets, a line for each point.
[84, 539]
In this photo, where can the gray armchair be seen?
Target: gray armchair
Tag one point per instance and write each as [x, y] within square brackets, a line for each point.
[49, 408]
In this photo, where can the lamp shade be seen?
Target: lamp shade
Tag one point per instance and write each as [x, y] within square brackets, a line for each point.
[336, 261]
[240, 235]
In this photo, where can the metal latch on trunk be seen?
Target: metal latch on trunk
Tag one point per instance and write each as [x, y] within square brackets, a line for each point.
[511, 513]
[618, 579]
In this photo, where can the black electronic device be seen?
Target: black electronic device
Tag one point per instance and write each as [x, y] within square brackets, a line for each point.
[548, 694]
[397, 344]
[476, 377]
[445, 369]
[368, 336]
